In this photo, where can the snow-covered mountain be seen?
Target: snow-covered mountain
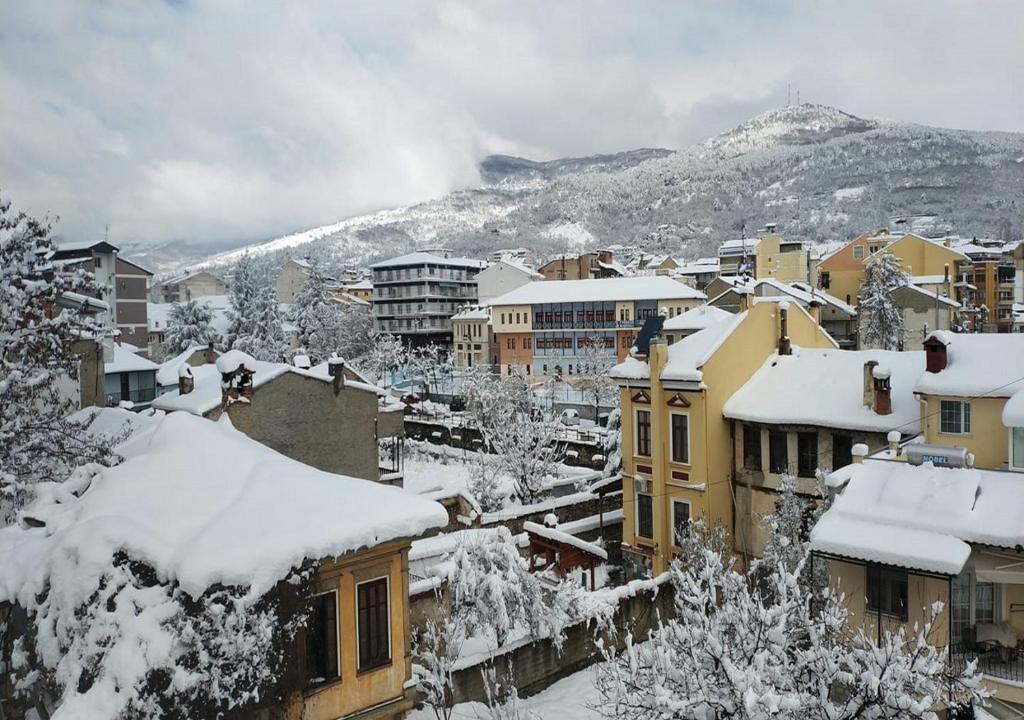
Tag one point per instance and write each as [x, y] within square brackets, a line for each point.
[818, 172]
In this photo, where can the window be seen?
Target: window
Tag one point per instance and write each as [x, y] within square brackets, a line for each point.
[680, 426]
[644, 515]
[778, 452]
[973, 602]
[517, 318]
[1017, 448]
[526, 343]
[858, 252]
[643, 430]
[954, 417]
[322, 639]
[751, 447]
[807, 454]
[373, 625]
[887, 591]
[825, 281]
[842, 451]
[503, 318]
[680, 521]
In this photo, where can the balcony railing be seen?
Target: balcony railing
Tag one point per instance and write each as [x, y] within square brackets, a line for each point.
[998, 663]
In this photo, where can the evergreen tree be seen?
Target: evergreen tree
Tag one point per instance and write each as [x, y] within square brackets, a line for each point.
[264, 337]
[881, 322]
[309, 312]
[38, 443]
[188, 324]
[244, 283]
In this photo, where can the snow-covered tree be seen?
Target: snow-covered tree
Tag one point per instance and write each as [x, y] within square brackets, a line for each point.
[734, 650]
[592, 367]
[881, 321]
[485, 483]
[245, 281]
[503, 697]
[38, 443]
[385, 356]
[263, 337]
[356, 332]
[613, 444]
[189, 323]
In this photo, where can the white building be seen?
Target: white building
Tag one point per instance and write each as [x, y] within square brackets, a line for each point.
[501, 277]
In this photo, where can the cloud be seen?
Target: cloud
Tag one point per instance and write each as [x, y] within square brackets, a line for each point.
[227, 121]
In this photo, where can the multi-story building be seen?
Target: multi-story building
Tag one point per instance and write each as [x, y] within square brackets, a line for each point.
[362, 290]
[841, 272]
[132, 296]
[677, 444]
[100, 259]
[415, 295]
[545, 328]
[942, 521]
[472, 339]
[501, 277]
[767, 256]
[600, 264]
[990, 280]
[190, 286]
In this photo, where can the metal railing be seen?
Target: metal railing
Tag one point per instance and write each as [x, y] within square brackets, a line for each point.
[999, 663]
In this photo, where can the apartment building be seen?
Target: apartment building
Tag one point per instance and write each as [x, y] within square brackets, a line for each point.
[415, 295]
[503, 276]
[677, 443]
[599, 264]
[472, 339]
[767, 256]
[990, 282]
[132, 295]
[189, 286]
[545, 328]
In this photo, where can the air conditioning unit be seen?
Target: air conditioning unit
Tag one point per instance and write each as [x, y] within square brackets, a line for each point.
[642, 485]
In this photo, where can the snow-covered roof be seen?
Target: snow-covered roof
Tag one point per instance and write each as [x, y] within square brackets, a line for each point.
[927, 279]
[202, 503]
[686, 357]
[188, 276]
[930, 294]
[425, 258]
[696, 318]
[1013, 410]
[598, 290]
[206, 393]
[234, 359]
[977, 364]
[361, 285]
[565, 538]
[476, 312]
[517, 265]
[825, 388]
[737, 246]
[921, 516]
[126, 359]
[168, 373]
[804, 294]
[76, 245]
[698, 267]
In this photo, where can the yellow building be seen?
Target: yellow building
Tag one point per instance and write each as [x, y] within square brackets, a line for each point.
[764, 257]
[841, 272]
[677, 447]
[471, 337]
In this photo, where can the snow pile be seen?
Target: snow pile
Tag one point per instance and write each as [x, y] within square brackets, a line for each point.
[598, 290]
[127, 359]
[825, 388]
[987, 364]
[234, 359]
[921, 516]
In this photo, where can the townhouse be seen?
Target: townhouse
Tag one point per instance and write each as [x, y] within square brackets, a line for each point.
[546, 328]
[677, 443]
[472, 339]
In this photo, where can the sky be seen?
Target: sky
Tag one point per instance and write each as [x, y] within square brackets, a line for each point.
[228, 121]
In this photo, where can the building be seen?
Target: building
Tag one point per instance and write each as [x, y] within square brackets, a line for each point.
[327, 416]
[803, 412]
[86, 388]
[198, 503]
[100, 259]
[362, 290]
[129, 377]
[990, 278]
[545, 328]
[923, 310]
[132, 296]
[599, 264]
[190, 286]
[677, 448]
[841, 273]
[698, 273]
[767, 256]
[415, 295]
[293, 276]
[691, 321]
[501, 277]
[472, 343]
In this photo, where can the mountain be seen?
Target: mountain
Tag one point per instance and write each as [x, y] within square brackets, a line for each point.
[819, 173]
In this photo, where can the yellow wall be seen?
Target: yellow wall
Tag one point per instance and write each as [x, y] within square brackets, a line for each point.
[772, 263]
[357, 691]
[708, 486]
[676, 307]
[503, 318]
[988, 439]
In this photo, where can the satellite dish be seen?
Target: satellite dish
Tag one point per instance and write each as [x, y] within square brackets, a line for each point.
[652, 327]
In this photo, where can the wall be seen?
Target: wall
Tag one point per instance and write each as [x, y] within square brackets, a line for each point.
[771, 262]
[474, 351]
[499, 279]
[290, 281]
[132, 293]
[302, 418]
[356, 691]
[988, 439]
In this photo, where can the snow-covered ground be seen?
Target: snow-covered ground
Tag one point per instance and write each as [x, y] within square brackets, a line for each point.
[567, 699]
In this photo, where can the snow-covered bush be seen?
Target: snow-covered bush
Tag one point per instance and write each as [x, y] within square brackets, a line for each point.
[38, 442]
[485, 483]
[613, 444]
[189, 323]
[881, 321]
[736, 651]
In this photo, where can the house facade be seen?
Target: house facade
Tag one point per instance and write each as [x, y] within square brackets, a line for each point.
[677, 446]
[415, 295]
[128, 377]
[472, 339]
[190, 286]
[132, 297]
[549, 328]
[501, 277]
[991, 279]
[767, 256]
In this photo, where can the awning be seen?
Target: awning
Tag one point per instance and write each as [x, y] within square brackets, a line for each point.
[998, 567]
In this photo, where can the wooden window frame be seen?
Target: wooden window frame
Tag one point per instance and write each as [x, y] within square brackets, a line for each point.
[752, 431]
[639, 534]
[672, 437]
[689, 516]
[337, 639]
[636, 431]
[387, 600]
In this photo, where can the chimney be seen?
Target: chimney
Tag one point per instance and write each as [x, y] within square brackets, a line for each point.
[210, 354]
[894, 442]
[336, 368]
[859, 452]
[551, 521]
[869, 384]
[883, 393]
[814, 307]
[186, 382]
[785, 348]
[936, 354]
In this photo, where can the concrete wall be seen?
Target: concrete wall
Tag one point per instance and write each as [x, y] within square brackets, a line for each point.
[499, 279]
[302, 418]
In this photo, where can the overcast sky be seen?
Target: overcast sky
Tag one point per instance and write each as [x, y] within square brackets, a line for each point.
[220, 121]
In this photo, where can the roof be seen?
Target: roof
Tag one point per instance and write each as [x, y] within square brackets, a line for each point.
[127, 359]
[737, 246]
[361, 285]
[928, 279]
[698, 267]
[686, 357]
[824, 388]
[135, 265]
[696, 318]
[564, 538]
[203, 503]
[1013, 410]
[188, 276]
[168, 372]
[914, 290]
[476, 312]
[804, 294]
[977, 365]
[206, 393]
[425, 258]
[920, 516]
[598, 290]
[80, 245]
[516, 265]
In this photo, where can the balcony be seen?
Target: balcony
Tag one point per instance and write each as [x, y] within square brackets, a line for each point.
[996, 663]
